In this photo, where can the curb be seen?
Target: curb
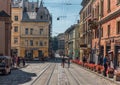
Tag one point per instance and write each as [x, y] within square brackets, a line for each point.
[113, 81]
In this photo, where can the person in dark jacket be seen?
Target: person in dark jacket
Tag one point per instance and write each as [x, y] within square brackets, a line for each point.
[23, 60]
[105, 62]
[63, 62]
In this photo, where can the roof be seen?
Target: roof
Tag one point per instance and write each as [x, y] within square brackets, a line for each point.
[4, 14]
[42, 15]
[70, 28]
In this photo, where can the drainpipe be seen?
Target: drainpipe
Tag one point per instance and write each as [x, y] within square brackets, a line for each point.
[99, 43]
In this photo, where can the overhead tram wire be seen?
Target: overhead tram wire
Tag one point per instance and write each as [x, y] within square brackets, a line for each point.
[68, 4]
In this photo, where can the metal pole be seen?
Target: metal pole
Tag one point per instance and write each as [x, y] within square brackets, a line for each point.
[99, 43]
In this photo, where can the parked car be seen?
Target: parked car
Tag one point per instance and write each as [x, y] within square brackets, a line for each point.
[5, 64]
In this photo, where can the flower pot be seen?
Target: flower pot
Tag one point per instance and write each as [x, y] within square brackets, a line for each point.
[99, 71]
[110, 75]
[117, 78]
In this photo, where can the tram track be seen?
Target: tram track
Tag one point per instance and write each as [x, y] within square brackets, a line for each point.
[74, 76]
[50, 76]
[45, 75]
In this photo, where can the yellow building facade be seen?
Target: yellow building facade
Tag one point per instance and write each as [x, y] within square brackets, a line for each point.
[36, 40]
[34, 30]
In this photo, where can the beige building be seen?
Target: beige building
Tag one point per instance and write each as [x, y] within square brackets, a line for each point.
[5, 27]
[86, 33]
[16, 26]
[72, 42]
[34, 31]
[82, 44]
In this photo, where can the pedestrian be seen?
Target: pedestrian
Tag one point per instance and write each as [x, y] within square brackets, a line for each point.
[105, 62]
[84, 59]
[23, 60]
[18, 61]
[63, 61]
[68, 62]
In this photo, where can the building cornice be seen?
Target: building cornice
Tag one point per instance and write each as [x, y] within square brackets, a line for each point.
[110, 16]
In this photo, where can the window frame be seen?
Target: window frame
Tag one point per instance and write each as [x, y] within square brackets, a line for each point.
[108, 6]
[109, 30]
[15, 28]
[15, 40]
[26, 31]
[102, 32]
[118, 27]
[41, 31]
[40, 43]
[31, 31]
[31, 42]
[102, 8]
[16, 18]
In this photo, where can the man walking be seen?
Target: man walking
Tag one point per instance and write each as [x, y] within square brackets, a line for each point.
[63, 61]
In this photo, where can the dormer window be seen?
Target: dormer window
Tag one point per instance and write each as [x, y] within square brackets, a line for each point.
[41, 17]
[32, 6]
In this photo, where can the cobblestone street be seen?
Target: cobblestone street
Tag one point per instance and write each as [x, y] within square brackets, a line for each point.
[52, 73]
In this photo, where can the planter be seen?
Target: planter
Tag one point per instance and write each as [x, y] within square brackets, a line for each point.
[99, 71]
[110, 75]
[117, 78]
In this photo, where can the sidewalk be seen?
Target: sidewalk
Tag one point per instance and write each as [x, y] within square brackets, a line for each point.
[101, 75]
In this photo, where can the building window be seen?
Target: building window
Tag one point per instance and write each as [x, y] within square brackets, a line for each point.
[37, 43]
[32, 7]
[108, 6]
[16, 18]
[97, 11]
[101, 32]
[31, 31]
[31, 42]
[26, 31]
[45, 43]
[16, 29]
[41, 31]
[118, 1]
[41, 17]
[108, 30]
[118, 27]
[26, 41]
[15, 40]
[41, 43]
[102, 8]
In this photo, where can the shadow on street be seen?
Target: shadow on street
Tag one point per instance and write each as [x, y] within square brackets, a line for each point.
[16, 77]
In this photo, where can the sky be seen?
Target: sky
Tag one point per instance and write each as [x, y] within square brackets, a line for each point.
[68, 14]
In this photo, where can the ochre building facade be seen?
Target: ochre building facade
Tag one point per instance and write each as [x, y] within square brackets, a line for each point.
[34, 31]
